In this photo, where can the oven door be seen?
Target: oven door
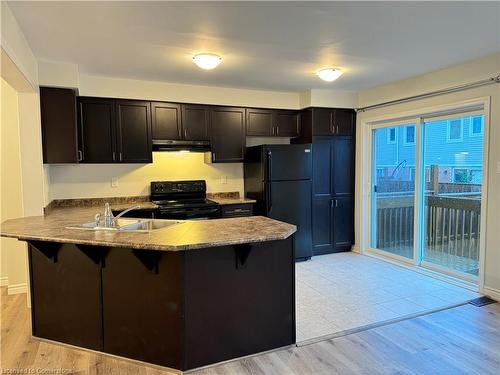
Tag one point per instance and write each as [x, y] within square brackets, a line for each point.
[192, 213]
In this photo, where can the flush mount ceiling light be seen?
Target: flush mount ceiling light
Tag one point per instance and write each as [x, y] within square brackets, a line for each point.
[329, 74]
[207, 61]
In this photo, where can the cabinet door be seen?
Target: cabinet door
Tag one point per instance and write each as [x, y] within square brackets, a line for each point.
[227, 134]
[322, 166]
[59, 125]
[342, 165]
[195, 122]
[286, 123]
[97, 128]
[259, 122]
[322, 225]
[166, 119]
[322, 121]
[344, 121]
[343, 223]
[134, 131]
[66, 293]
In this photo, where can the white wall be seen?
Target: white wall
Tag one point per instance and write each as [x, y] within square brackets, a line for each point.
[13, 252]
[16, 46]
[452, 76]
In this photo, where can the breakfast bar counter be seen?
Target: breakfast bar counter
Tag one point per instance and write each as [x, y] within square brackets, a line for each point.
[184, 296]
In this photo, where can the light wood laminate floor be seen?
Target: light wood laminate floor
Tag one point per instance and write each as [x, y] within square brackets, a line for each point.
[462, 340]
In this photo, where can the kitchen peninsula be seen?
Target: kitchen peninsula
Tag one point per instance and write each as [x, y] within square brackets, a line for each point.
[184, 296]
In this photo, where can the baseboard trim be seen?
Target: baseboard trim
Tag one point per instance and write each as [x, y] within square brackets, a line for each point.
[4, 281]
[17, 288]
[491, 292]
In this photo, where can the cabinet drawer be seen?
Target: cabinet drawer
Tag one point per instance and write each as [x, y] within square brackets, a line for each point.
[237, 210]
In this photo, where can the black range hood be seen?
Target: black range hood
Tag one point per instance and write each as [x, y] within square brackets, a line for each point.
[174, 145]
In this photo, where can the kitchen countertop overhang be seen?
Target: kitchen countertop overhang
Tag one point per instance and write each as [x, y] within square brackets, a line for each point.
[187, 235]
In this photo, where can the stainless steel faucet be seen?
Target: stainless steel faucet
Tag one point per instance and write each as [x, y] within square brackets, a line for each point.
[127, 210]
[109, 218]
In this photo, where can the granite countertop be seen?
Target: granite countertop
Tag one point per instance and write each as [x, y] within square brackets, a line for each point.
[186, 235]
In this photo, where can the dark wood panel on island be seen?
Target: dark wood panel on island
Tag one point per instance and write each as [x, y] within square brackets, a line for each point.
[176, 309]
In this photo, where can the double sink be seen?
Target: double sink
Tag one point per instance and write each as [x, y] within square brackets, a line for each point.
[130, 225]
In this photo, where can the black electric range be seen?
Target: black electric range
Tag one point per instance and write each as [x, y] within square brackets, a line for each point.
[183, 200]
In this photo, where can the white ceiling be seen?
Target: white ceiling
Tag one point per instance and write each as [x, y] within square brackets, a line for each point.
[269, 45]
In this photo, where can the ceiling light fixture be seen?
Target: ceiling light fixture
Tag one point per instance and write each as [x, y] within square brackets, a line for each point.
[329, 74]
[207, 61]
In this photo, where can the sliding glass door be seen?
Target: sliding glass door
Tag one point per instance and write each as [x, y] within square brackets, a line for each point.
[453, 161]
[393, 189]
[426, 180]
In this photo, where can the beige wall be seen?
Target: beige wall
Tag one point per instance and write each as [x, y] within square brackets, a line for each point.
[77, 181]
[456, 75]
[13, 252]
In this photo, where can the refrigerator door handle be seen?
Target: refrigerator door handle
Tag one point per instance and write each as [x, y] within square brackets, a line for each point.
[269, 183]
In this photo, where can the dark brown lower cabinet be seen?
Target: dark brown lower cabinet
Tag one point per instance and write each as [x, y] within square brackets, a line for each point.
[332, 224]
[181, 309]
[66, 293]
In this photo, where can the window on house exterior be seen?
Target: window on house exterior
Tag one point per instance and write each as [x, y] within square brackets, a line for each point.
[391, 135]
[380, 172]
[455, 130]
[409, 135]
[412, 173]
[427, 174]
[476, 126]
[461, 175]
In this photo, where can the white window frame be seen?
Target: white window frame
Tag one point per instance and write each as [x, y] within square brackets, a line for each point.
[389, 142]
[405, 142]
[471, 128]
[364, 194]
[448, 131]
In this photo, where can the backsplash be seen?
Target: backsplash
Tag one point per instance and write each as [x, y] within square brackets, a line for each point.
[94, 181]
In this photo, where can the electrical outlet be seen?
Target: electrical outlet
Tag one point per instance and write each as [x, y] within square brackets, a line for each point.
[114, 182]
[223, 180]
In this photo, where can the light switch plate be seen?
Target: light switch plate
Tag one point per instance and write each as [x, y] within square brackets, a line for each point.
[114, 181]
[223, 180]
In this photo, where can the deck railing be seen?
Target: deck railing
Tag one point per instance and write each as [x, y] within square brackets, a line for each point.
[452, 226]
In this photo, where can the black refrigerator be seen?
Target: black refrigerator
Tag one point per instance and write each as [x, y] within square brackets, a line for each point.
[279, 178]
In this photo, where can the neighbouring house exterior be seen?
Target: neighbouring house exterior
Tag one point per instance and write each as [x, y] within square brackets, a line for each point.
[453, 148]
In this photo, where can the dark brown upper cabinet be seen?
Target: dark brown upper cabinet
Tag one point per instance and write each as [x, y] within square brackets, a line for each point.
[195, 122]
[133, 125]
[97, 130]
[227, 125]
[272, 123]
[59, 130]
[333, 121]
[115, 130]
[259, 122]
[166, 119]
[325, 122]
[287, 123]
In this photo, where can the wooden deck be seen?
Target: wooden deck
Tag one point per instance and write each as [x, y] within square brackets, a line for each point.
[463, 340]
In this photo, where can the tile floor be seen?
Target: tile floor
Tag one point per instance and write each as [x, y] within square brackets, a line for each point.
[340, 292]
